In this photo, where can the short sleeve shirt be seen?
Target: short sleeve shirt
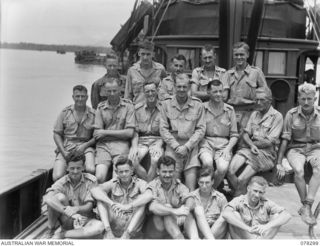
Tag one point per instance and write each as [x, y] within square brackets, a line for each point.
[201, 80]
[69, 127]
[175, 196]
[147, 121]
[78, 195]
[243, 88]
[220, 125]
[259, 215]
[136, 79]
[115, 118]
[215, 205]
[121, 195]
[300, 130]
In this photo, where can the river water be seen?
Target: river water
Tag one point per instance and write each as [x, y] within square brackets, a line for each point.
[34, 87]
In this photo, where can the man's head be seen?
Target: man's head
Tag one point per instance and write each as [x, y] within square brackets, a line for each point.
[208, 56]
[307, 97]
[111, 89]
[166, 169]
[240, 54]
[215, 90]
[124, 169]
[182, 85]
[256, 189]
[80, 95]
[146, 52]
[178, 64]
[111, 65]
[75, 167]
[205, 180]
[151, 92]
[263, 99]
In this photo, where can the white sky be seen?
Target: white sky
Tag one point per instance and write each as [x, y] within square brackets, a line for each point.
[81, 22]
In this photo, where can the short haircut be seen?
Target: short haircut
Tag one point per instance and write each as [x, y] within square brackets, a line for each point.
[214, 82]
[150, 83]
[110, 80]
[122, 160]
[259, 180]
[146, 44]
[80, 88]
[307, 88]
[182, 76]
[266, 91]
[166, 160]
[179, 57]
[239, 45]
[208, 47]
[77, 158]
[205, 172]
[112, 57]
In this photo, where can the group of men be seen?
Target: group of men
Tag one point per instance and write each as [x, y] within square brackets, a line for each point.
[171, 141]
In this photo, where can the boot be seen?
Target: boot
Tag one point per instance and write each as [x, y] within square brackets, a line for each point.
[306, 215]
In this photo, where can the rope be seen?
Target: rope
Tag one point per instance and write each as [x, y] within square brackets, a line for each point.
[154, 34]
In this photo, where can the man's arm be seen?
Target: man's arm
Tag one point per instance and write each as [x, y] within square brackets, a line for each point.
[203, 95]
[59, 143]
[233, 218]
[95, 94]
[100, 193]
[128, 89]
[164, 210]
[279, 219]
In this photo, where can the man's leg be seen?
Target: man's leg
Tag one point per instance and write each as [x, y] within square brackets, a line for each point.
[155, 153]
[59, 167]
[190, 176]
[202, 223]
[190, 227]
[243, 180]
[53, 215]
[102, 171]
[238, 233]
[104, 216]
[90, 165]
[220, 228]
[220, 173]
[92, 228]
[171, 226]
[135, 223]
[236, 162]
[314, 182]
[206, 159]
[154, 227]
[140, 170]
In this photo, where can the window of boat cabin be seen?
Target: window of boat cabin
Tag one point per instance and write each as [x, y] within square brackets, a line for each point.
[258, 59]
[190, 55]
[277, 63]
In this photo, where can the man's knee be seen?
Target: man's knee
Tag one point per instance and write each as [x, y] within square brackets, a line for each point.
[206, 160]
[199, 211]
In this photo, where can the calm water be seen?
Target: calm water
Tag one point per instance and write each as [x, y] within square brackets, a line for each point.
[34, 87]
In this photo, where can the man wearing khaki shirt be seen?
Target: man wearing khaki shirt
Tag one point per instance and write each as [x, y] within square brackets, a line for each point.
[182, 126]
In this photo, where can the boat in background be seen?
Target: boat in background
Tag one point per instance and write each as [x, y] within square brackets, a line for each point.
[89, 57]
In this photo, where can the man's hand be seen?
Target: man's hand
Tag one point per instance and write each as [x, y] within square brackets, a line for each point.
[182, 150]
[66, 155]
[181, 219]
[70, 211]
[133, 154]
[254, 150]
[260, 229]
[122, 207]
[281, 172]
[98, 134]
[79, 150]
[183, 210]
[225, 154]
[155, 152]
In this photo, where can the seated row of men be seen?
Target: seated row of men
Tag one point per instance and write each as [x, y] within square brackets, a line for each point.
[195, 134]
[128, 207]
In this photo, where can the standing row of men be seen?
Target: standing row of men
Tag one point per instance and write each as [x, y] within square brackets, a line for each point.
[195, 134]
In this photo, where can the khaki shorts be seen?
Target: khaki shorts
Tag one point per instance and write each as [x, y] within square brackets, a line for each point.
[304, 155]
[60, 158]
[261, 162]
[110, 151]
[150, 145]
[214, 147]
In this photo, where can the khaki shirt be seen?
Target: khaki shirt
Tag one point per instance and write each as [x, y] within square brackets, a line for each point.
[259, 215]
[121, 195]
[243, 88]
[268, 127]
[148, 123]
[220, 125]
[68, 126]
[118, 118]
[175, 196]
[215, 206]
[300, 130]
[136, 80]
[167, 88]
[78, 195]
[186, 124]
[201, 80]
[97, 92]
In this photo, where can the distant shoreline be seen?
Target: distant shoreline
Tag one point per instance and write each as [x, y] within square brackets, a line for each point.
[54, 47]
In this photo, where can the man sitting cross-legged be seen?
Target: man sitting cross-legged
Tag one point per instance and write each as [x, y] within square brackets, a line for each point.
[70, 203]
[251, 216]
[121, 190]
[170, 205]
[209, 205]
